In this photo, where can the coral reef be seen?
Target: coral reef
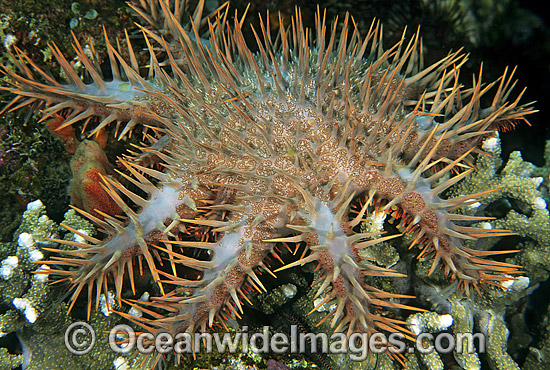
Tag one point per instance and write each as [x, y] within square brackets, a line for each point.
[322, 180]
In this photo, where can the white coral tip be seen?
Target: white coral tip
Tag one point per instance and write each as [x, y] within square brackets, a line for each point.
[490, 144]
[445, 321]
[25, 240]
[24, 305]
[539, 203]
[120, 363]
[37, 204]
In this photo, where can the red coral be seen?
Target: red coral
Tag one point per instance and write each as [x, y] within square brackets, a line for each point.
[88, 165]
[66, 134]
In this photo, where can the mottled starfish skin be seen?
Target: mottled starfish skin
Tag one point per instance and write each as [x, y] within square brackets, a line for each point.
[271, 147]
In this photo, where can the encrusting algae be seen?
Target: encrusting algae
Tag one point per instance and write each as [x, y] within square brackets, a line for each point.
[292, 147]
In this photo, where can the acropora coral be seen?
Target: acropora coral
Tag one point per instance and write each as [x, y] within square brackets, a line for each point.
[352, 157]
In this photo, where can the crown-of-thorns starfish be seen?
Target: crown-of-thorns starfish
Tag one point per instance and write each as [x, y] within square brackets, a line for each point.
[267, 148]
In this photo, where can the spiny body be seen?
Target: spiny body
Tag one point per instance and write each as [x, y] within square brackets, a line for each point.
[269, 148]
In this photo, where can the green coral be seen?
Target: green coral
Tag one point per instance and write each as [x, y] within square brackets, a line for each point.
[9, 361]
[36, 315]
[36, 222]
[76, 222]
[497, 336]
[515, 183]
[518, 204]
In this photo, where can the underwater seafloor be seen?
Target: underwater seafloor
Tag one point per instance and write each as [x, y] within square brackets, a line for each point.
[35, 181]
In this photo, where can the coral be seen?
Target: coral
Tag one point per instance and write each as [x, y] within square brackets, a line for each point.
[321, 145]
[67, 134]
[36, 222]
[36, 318]
[518, 203]
[497, 336]
[22, 291]
[33, 165]
[74, 221]
[515, 204]
[9, 361]
[89, 165]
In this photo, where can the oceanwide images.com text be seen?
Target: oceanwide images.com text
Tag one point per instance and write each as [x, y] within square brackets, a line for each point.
[80, 339]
